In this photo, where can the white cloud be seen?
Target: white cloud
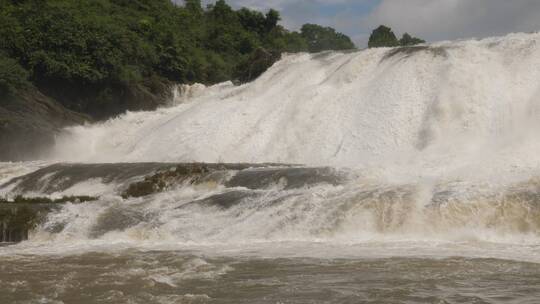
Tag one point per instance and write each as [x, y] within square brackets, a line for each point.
[451, 19]
[428, 19]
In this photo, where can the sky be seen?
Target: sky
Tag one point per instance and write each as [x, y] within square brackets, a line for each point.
[432, 20]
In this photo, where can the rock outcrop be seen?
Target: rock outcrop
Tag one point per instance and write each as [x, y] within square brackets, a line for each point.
[21, 215]
[29, 122]
[30, 119]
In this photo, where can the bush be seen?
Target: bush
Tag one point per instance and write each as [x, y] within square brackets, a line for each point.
[320, 38]
[382, 37]
[408, 40]
[85, 53]
[256, 64]
[12, 76]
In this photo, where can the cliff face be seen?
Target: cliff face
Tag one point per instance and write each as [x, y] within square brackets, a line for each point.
[30, 119]
[28, 123]
[109, 100]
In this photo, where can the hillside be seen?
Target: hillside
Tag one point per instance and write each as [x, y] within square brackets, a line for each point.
[101, 58]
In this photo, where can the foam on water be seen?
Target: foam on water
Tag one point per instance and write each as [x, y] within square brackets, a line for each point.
[440, 141]
[290, 211]
[453, 108]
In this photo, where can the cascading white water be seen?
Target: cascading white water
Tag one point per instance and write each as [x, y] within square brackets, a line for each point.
[241, 207]
[451, 108]
[405, 159]
[441, 141]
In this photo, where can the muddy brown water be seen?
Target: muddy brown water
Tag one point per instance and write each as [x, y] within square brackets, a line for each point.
[133, 276]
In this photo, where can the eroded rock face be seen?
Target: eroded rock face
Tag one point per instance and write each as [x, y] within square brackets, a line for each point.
[29, 122]
[234, 184]
[59, 177]
[408, 51]
[16, 220]
[256, 65]
[30, 119]
[249, 176]
[288, 178]
[20, 215]
[181, 174]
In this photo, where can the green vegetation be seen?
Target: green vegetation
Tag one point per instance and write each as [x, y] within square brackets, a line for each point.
[12, 76]
[97, 56]
[408, 40]
[325, 38]
[257, 63]
[383, 36]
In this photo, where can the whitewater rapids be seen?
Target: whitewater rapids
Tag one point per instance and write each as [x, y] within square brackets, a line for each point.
[414, 129]
[460, 109]
[407, 175]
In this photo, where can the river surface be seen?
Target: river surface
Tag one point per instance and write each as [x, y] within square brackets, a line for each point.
[270, 234]
[179, 276]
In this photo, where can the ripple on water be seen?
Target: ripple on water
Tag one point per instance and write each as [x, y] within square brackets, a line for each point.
[180, 277]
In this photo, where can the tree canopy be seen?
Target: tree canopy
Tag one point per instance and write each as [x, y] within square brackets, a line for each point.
[90, 54]
[383, 36]
[320, 38]
[12, 76]
[407, 40]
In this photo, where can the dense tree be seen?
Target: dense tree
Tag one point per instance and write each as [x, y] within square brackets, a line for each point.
[12, 76]
[253, 21]
[321, 38]
[258, 62]
[222, 11]
[382, 37]
[194, 6]
[271, 20]
[93, 56]
[407, 40]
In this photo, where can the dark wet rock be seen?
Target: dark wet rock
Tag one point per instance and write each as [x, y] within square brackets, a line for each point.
[21, 214]
[31, 118]
[21, 200]
[256, 64]
[104, 102]
[246, 176]
[16, 221]
[29, 122]
[194, 173]
[142, 179]
[134, 179]
[408, 51]
[288, 178]
[59, 177]
[116, 218]
[191, 173]
[223, 200]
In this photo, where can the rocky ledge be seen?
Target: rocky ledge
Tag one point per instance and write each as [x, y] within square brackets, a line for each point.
[22, 214]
